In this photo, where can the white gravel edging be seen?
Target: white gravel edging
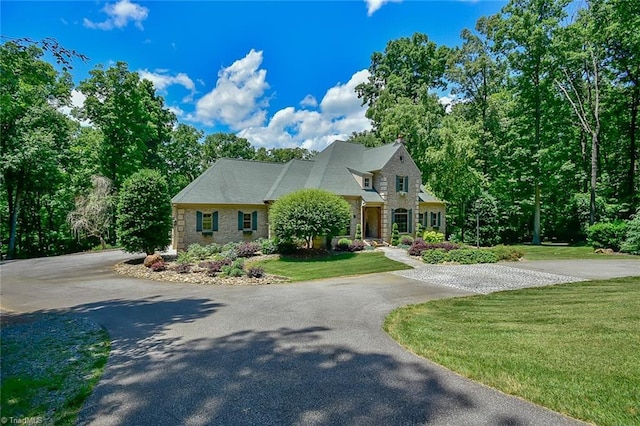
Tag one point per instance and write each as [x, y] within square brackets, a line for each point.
[484, 278]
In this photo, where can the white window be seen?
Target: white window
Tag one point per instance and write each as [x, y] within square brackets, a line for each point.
[246, 221]
[367, 182]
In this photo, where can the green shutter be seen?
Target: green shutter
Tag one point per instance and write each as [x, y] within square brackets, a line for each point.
[254, 221]
[240, 219]
[406, 185]
[439, 217]
[410, 221]
[397, 183]
[393, 217]
[215, 221]
[198, 221]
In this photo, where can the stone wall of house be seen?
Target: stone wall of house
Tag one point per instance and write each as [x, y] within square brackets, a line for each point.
[185, 233]
[401, 164]
[427, 209]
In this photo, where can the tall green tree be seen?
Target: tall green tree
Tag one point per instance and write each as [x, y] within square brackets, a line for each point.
[399, 92]
[144, 213]
[182, 156]
[33, 133]
[225, 145]
[132, 118]
[523, 32]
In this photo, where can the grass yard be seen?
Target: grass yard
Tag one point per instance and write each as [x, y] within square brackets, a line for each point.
[330, 266]
[561, 251]
[573, 348]
[49, 366]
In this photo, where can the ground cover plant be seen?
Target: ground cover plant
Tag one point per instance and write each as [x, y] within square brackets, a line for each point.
[572, 348]
[47, 376]
[327, 266]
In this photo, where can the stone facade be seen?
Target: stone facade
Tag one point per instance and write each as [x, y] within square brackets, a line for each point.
[185, 233]
[401, 165]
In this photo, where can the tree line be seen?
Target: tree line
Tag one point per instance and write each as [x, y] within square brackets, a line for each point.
[59, 178]
[540, 142]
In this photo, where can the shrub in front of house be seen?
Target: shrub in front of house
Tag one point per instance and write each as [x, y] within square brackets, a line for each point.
[356, 245]
[406, 240]
[434, 256]
[358, 232]
[607, 235]
[235, 269]
[420, 245]
[343, 244]
[247, 249]
[395, 235]
[507, 253]
[255, 272]
[198, 252]
[215, 266]
[158, 266]
[268, 246]
[213, 248]
[471, 256]
[183, 268]
[184, 257]
[433, 237]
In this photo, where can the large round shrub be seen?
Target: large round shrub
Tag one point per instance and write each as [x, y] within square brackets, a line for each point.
[632, 240]
[309, 213]
[144, 213]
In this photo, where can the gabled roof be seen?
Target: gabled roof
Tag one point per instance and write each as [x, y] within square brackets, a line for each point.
[231, 181]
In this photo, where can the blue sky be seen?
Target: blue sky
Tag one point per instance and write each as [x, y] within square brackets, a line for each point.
[280, 73]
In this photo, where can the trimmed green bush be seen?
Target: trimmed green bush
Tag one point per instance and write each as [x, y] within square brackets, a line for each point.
[343, 244]
[511, 254]
[406, 240]
[395, 235]
[472, 256]
[358, 232]
[419, 231]
[268, 246]
[607, 235]
[434, 256]
[433, 237]
[198, 252]
[144, 213]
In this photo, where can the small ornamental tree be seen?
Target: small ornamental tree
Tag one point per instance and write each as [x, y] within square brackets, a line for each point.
[144, 213]
[358, 232]
[308, 213]
[395, 235]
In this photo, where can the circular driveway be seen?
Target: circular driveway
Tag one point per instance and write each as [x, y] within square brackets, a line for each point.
[292, 354]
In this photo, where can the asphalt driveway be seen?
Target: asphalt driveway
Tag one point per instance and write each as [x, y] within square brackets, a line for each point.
[292, 354]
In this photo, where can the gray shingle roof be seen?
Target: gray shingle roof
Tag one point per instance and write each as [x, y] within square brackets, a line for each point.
[231, 181]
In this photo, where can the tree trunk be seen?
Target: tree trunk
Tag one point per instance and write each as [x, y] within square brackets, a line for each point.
[635, 100]
[13, 221]
[594, 177]
[536, 217]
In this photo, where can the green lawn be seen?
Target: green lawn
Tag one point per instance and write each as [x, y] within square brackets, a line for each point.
[562, 251]
[50, 365]
[330, 266]
[573, 348]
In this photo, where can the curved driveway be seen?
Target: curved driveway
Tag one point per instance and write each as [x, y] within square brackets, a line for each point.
[293, 354]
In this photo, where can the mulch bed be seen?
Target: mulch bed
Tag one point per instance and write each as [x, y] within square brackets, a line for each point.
[197, 275]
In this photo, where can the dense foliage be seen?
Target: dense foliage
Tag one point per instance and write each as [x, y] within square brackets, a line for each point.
[144, 213]
[309, 213]
[540, 142]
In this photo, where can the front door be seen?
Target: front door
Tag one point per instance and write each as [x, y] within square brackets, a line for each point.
[372, 219]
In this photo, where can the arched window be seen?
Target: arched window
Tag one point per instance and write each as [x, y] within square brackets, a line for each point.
[402, 219]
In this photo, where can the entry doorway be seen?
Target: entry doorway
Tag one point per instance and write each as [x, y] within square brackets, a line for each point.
[372, 222]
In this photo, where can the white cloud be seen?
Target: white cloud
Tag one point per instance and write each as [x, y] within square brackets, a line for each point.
[238, 98]
[309, 101]
[77, 101]
[447, 102]
[339, 114]
[119, 16]
[161, 79]
[374, 5]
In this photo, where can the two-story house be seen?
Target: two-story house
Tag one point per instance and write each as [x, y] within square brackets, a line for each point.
[230, 201]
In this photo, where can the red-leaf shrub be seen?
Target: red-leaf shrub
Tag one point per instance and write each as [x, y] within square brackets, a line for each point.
[419, 245]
